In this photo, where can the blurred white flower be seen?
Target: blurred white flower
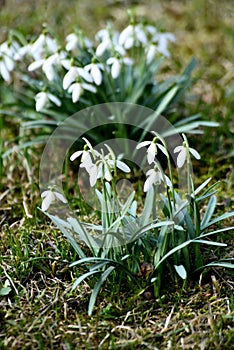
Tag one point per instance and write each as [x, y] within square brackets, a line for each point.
[76, 89]
[108, 41]
[73, 74]
[49, 197]
[152, 149]
[162, 42]
[182, 155]
[42, 98]
[95, 71]
[43, 44]
[154, 177]
[6, 61]
[132, 35]
[116, 64]
[73, 41]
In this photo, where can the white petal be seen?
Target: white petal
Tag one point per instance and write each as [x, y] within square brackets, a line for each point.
[124, 35]
[96, 74]
[60, 197]
[122, 166]
[37, 45]
[93, 175]
[41, 99]
[107, 174]
[75, 155]
[4, 72]
[151, 54]
[178, 149]
[66, 63]
[69, 77]
[35, 65]
[76, 91]
[162, 148]
[89, 87]
[84, 74]
[45, 193]
[49, 72]
[151, 152]
[194, 153]
[102, 48]
[54, 99]
[129, 43]
[140, 34]
[115, 69]
[9, 63]
[143, 144]
[51, 44]
[47, 201]
[181, 158]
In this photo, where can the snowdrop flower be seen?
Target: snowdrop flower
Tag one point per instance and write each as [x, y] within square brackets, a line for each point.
[182, 155]
[109, 41]
[155, 177]
[6, 61]
[21, 52]
[76, 89]
[95, 70]
[73, 41]
[48, 64]
[130, 34]
[73, 74]
[43, 42]
[105, 167]
[162, 40]
[49, 197]
[85, 154]
[116, 63]
[42, 98]
[152, 149]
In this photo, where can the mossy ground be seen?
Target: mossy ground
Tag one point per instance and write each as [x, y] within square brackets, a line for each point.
[39, 310]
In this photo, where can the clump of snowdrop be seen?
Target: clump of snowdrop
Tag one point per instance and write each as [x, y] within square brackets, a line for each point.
[80, 67]
[99, 165]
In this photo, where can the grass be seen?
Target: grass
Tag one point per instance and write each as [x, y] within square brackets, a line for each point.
[39, 311]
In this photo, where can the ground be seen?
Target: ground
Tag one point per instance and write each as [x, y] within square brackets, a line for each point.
[39, 310]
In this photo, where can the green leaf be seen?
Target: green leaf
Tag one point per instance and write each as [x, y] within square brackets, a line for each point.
[97, 288]
[82, 277]
[218, 219]
[209, 210]
[221, 264]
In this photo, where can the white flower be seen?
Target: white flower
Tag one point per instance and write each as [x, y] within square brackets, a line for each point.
[6, 61]
[73, 41]
[49, 197]
[109, 41]
[183, 154]
[116, 64]
[95, 71]
[152, 149]
[132, 35]
[73, 73]
[154, 177]
[77, 89]
[162, 40]
[42, 43]
[42, 98]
